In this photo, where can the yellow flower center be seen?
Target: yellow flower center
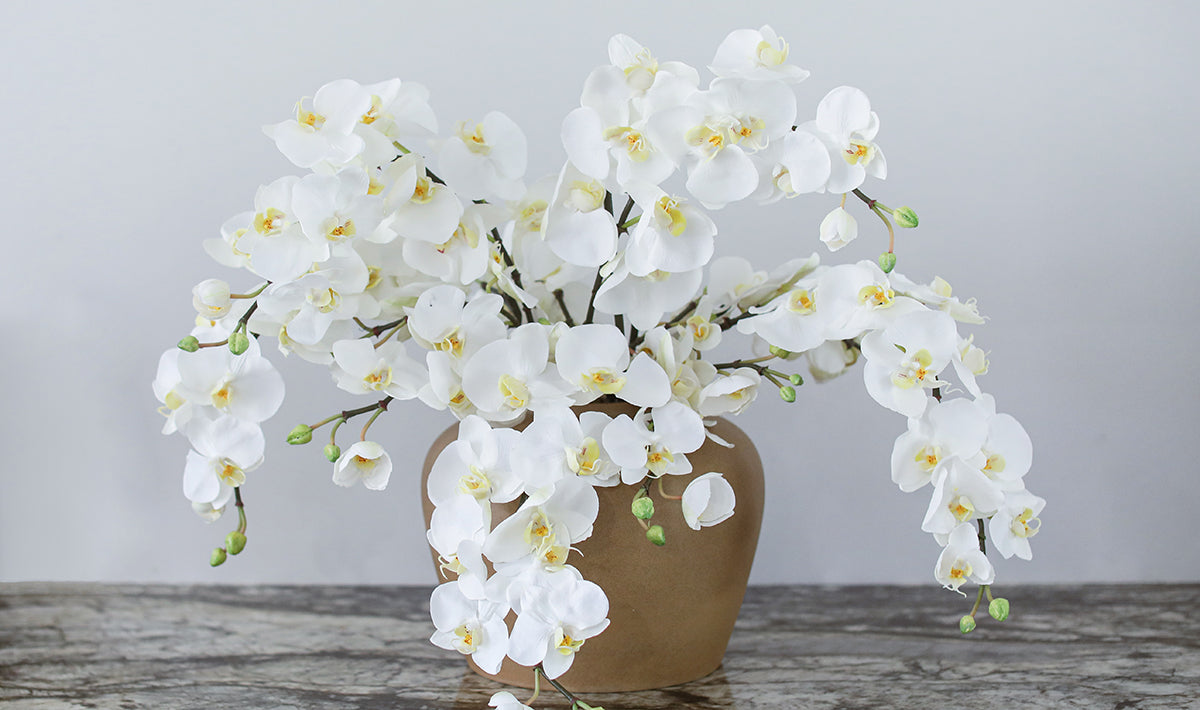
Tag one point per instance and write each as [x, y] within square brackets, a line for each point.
[602, 380]
[379, 379]
[667, 214]
[800, 301]
[1025, 525]
[771, 55]
[876, 296]
[341, 232]
[308, 118]
[962, 508]
[475, 483]
[230, 473]
[927, 458]
[514, 391]
[268, 223]
[372, 113]
[564, 643]
[325, 300]
[859, 153]
[474, 140]
[914, 371]
[658, 460]
[583, 461]
[423, 192]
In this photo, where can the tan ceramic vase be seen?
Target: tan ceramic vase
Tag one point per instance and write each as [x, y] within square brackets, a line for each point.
[671, 608]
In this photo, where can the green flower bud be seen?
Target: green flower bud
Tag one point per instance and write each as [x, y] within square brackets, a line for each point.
[905, 217]
[998, 608]
[238, 342]
[543, 320]
[780, 352]
[217, 558]
[787, 393]
[333, 452]
[190, 344]
[796, 380]
[302, 434]
[966, 624]
[887, 262]
[235, 542]
[643, 508]
[656, 535]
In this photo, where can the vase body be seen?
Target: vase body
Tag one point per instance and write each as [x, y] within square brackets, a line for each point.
[671, 608]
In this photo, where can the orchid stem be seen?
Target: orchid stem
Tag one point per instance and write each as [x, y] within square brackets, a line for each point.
[253, 293]
[363, 435]
[663, 493]
[562, 304]
[537, 686]
[978, 599]
[241, 509]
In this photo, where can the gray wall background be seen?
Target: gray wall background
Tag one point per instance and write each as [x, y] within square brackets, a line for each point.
[1050, 150]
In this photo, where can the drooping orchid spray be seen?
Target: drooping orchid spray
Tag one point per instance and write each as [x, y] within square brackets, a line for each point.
[422, 266]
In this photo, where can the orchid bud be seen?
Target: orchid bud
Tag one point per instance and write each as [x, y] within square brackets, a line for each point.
[780, 352]
[905, 217]
[656, 535]
[238, 342]
[211, 299]
[235, 542]
[643, 508]
[787, 393]
[887, 261]
[966, 624]
[333, 452]
[998, 608]
[796, 379]
[217, 558]
[302, 434]
[189, 344]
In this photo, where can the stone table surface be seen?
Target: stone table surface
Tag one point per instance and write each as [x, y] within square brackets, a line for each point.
[158, 646]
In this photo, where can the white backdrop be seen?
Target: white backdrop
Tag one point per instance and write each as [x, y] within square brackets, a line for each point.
[1048, 148]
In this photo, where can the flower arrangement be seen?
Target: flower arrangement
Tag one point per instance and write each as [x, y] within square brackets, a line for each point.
[499, 300]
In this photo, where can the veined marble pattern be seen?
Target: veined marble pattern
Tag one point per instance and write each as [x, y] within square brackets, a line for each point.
[316, 648]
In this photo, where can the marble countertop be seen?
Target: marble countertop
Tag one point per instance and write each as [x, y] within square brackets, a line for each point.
[317, 647]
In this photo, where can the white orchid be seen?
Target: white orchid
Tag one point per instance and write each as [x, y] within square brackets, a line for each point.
[847, 126]
[544, 528]
[905, 359]
[472, 627]
[323, 134]
[672, 236]
[364, 461]
[708, 500]
[962, 495]
[362, 368]
[641, 450]
[505, 700]
[223, 451]
[508, 377]
[555, 621]
[1015, 522]
[718, 130]
[576, 227]
[946, 431]
[486, 159]
[477, 464]
[594, 361]
[755, 54]
[961, 560]
[444, 320]
[838, 229]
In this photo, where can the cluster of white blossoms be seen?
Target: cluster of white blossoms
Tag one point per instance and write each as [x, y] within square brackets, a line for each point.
[422, 265]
